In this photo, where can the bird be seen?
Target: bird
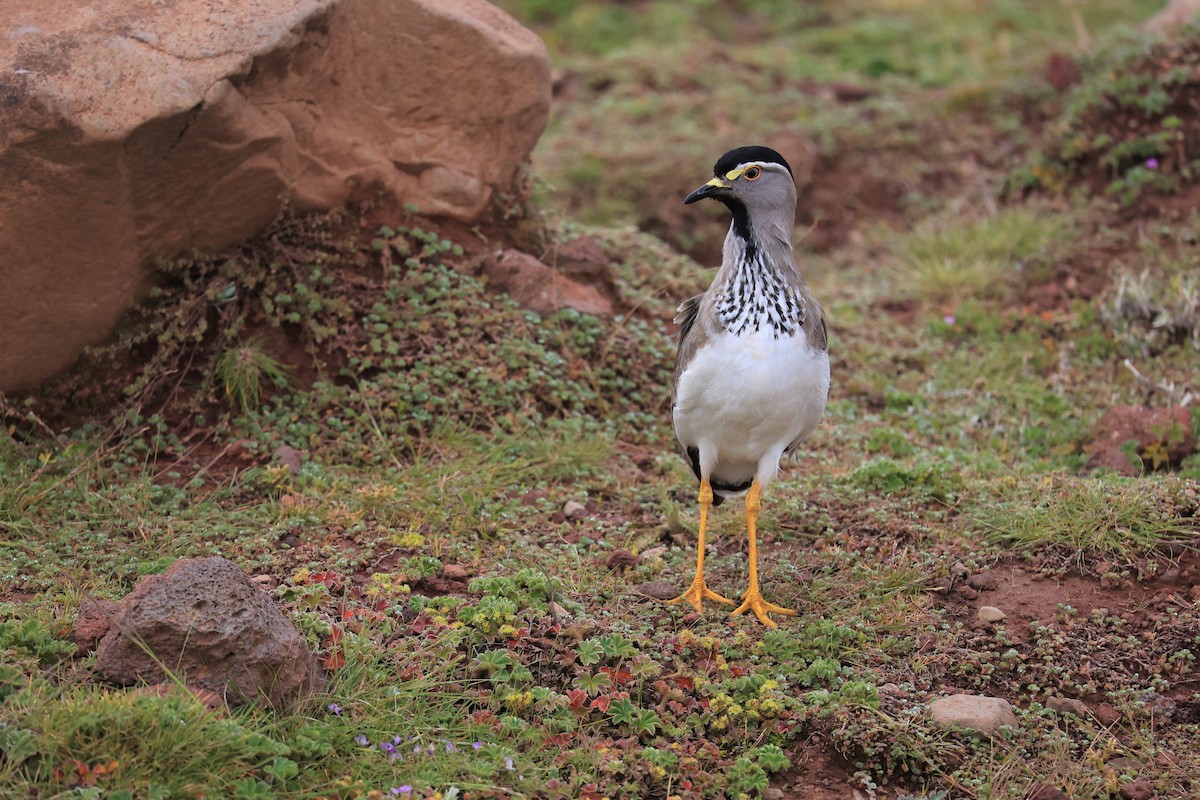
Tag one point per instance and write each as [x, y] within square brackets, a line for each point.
[752, 370]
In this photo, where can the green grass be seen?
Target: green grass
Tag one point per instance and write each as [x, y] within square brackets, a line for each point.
[949, 259]
[1100, 519]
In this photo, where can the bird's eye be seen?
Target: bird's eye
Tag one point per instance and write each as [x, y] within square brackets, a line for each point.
[752, 173]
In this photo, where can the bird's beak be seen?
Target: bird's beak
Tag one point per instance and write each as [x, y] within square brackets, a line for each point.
[714, 186]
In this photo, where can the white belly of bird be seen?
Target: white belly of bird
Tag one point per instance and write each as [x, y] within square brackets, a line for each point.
[743, 399]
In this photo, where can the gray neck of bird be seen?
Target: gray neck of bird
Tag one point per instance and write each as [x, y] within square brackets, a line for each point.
[759, 286]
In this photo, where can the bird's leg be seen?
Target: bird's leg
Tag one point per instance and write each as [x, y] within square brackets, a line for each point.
[699, 591]
[753, 600]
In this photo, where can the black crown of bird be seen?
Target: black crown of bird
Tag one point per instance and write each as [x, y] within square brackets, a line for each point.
[752, 372]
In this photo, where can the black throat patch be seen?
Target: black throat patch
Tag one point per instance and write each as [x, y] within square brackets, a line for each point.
[741, 222]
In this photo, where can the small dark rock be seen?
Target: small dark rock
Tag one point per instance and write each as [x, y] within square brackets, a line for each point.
[659, 590]
[1140, 789]
[1106, 714]
[983, 582]
[619, 559]
[1124, 764]
[850, 92]
[967, 593]
[1045, 791]
[92, 622]
[1067, 705]
[289, 457]
[1061, 72]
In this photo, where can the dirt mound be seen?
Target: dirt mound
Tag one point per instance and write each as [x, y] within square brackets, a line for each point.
[1132, 130]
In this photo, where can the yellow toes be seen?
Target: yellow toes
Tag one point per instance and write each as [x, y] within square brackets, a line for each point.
[753, 601]
[697, 593]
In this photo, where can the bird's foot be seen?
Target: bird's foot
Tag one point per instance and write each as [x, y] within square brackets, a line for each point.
[753, 600]
[698, 592]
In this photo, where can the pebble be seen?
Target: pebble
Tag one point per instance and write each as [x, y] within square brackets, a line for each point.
[1137, 790]
[574, 510]
[1106, 714]
[973, 712]
[967, 592]
[1195, 593]
[991, 614]
[659, 590]
[1067, 705]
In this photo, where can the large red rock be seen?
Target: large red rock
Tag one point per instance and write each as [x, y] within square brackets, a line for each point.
[215, 630]
[137, 129]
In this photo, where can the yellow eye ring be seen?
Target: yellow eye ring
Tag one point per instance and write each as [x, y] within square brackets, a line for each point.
[752, 173]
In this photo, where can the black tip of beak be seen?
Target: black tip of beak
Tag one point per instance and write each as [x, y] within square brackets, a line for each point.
[707, 190]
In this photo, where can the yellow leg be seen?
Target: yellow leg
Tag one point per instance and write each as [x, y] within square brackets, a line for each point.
[753, 600]
[699, 591]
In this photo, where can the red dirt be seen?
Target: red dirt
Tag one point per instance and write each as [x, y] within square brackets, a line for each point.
[1030, 598]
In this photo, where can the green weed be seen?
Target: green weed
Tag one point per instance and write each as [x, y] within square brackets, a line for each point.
[1084, 521]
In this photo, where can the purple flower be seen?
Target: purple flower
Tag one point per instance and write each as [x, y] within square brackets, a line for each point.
[396, 739]
[1151, 163]
[476, 745]
[389, 748]
[399, 790]
[449, 746]
[334, 708]
[950, 319]
[362, 740]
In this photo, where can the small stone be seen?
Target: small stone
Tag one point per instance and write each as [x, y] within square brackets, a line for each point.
[556, 610]
[990, 614]
[651, 553]
[960, 571]
[289, 457]
[659, 590]
[1044, 791]
[1124, 764]
[973, 712]
[967, 593]
[574, 510]
[1106, 714]
[92, 621]
[620, 559]
[1140, 789]
[1195, 593]
[264, 582]
[1067, 705]
[984, 581]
